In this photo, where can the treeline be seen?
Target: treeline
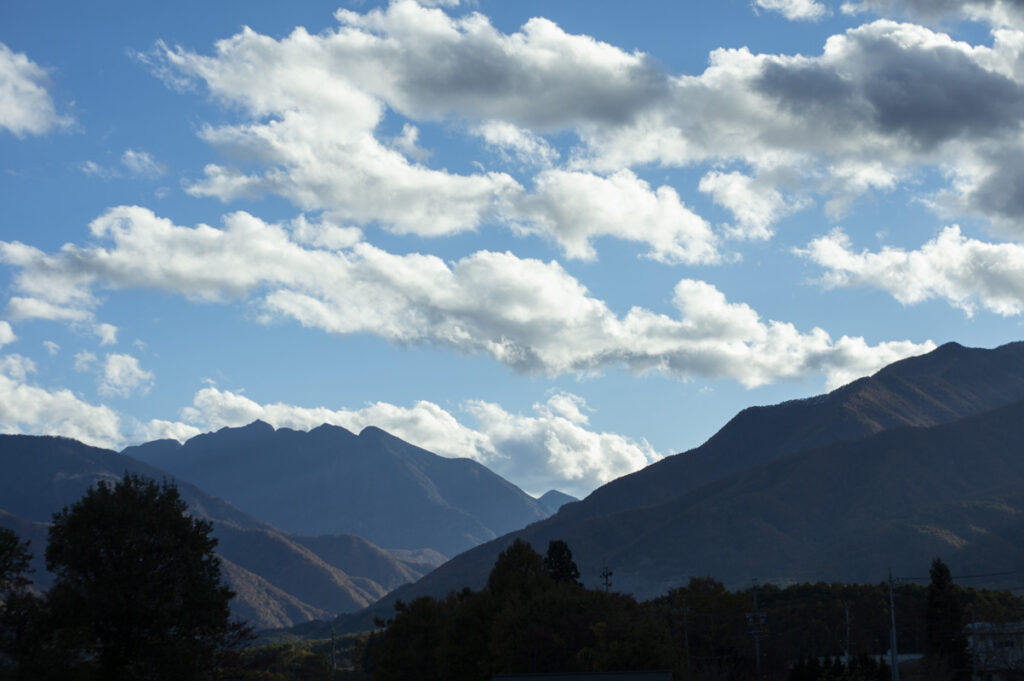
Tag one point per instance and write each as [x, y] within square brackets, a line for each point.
[534, 616]
[138, 594]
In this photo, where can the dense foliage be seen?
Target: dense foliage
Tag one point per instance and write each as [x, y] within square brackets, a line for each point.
[526, 621]
[137, 593]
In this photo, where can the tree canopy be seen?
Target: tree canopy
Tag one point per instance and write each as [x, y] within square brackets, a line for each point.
[137, 591]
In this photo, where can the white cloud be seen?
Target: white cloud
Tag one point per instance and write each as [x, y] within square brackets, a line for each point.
[107, 333]
[519, 143]
[142, 163]
[572, 208]
[795, 10]
[756, 205]
[158, 429]
[25, 103]
[16, 366]
[26, 408]
[51, 347]
[122, 376]
[967, 273]
[551, 447]
[84, 360]
[528, 314]
[881, 104]
[994, 12]
[326, 94]
[555, 446]
[6, 334]
[21, 308]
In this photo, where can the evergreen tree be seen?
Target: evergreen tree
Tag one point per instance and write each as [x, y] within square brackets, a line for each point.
[560, 565]
[946, 642]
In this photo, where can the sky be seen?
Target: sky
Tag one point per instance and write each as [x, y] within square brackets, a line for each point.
[563, 238]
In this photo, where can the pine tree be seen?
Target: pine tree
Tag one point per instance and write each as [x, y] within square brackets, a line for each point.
[946, 642]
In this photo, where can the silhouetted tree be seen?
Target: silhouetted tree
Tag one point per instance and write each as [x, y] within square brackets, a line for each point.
[14, 561]
[519, 571]
[946, 642]
[19, 609]
[137, 591]
[559, 564]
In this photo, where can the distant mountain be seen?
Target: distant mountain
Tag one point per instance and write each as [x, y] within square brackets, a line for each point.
[280, 579]
[554, 500]
[924, 458]
[331, 481]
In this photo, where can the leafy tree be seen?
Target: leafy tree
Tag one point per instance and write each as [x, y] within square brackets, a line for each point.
[19, 609]
[14, 560]
[946, 642]
[559, 563]
[519, 570]
[137, 591]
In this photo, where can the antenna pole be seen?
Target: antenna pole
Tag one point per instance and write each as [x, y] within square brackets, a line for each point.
[892, 619]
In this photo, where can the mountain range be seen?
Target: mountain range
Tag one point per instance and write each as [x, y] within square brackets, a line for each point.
[922, 459]
[330, 480]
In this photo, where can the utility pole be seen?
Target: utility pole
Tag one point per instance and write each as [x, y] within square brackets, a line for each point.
[757, 619]
[846, 657]
[606, 575]
[892, 618]
[334, 664]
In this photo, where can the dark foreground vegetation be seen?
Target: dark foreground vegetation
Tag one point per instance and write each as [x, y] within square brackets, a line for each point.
[138, 594]
[533, 616]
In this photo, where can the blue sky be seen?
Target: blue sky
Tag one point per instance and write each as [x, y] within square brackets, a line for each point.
[562, 238]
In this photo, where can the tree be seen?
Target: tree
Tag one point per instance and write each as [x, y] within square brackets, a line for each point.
[137, 591]
[14, 560]
[18, 607]
[519, 571]
[946, 643]
[559, 564]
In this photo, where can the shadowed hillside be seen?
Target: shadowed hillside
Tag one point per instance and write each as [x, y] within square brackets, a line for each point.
[280, 579]
[921, 459]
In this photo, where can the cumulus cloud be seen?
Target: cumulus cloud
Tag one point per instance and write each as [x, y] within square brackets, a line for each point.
[123, 376]
[882, 103]
[515, 142]
[51, 347]
[552, 446]
[159, 429]
[16, 366]
[6, 334]
[795, 10]
[967, 273]
[993, 12]
[756, 205]
[555, 443]
[27, 408]
[573, 208]
[528, 314]
[25, 103]
[321, 150]
[107, 333]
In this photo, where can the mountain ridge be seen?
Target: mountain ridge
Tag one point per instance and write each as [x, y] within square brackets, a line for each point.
[331, 481]
[674, 519]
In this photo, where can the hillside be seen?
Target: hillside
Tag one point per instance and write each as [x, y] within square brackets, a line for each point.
[280, 579]
[921, 459]
[331, 481]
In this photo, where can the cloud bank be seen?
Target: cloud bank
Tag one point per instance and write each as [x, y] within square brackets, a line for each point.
[531, 315]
